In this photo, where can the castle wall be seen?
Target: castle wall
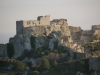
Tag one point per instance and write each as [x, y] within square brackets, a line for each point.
[96, 32]
[59, 22]
[45, 20]
[74, 29]
[41, 21]
[95, 27]
[86, 38]
[30, 23]
[19, 27]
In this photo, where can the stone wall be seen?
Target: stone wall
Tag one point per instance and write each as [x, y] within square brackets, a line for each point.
[94, 63]
[19, 27]
[96, 32]
[95, 27]
[80, 55]
[87, 36]
[75, 29]
[59, 22]
[45, 20]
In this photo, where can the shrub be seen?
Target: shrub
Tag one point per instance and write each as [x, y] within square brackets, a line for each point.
[34, 73]
[45, 65]
[18, 66]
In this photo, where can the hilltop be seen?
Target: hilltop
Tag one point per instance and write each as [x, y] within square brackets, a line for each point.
[54, 40]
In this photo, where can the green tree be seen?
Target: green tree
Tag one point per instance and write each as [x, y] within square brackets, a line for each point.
[10, 50]
[34, 73]
[32, 41]
[45, 65]
[55, 63]
[18, 66]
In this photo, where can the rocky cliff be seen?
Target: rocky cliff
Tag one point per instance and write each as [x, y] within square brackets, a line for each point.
[3, 51]
[56, 33]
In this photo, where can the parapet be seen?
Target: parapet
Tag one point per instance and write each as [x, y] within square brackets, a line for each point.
[95, 27]
[41, 17]
[59, 22]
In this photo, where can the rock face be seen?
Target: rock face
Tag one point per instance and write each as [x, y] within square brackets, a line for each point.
[84, 36]
[56, 34]
[3, 50]
[94, 63]
[46, 36]
[58, 31]
[75, 29]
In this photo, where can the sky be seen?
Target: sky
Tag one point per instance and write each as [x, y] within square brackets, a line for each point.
[83, 13]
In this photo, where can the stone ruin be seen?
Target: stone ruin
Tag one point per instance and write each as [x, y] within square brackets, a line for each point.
[69, 36]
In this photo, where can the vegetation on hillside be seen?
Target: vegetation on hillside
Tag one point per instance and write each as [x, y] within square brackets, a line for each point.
[32, 41]
[94, 48]
[10, 50]
[96, 37]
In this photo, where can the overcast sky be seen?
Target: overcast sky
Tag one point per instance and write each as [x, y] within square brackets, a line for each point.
[83, 13]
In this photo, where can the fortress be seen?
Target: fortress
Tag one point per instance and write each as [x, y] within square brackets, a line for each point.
[57, 30]
[41, 21]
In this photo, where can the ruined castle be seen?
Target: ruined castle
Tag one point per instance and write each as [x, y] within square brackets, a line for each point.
[58, 31]
[48, 33]
[41, 21]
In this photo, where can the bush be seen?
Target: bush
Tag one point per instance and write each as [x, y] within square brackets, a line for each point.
[18, 66]
[34, 73]
[45, 65]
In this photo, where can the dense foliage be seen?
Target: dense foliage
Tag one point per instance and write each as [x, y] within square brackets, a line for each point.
[32, 41]
[45, 65]
[10, 50]
[34, 73]
[18, 66]
[94, 48]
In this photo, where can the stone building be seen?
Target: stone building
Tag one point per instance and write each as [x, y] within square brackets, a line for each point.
[41, 20]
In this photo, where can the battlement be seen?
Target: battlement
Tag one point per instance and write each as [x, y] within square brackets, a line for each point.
[59, 22]
[41, 21]
[95, 27]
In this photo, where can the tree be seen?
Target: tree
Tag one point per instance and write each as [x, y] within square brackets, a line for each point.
[34, 73]
[19, 66]
[45, 65]
[55, 63]
[10, 50]
[32, 41]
